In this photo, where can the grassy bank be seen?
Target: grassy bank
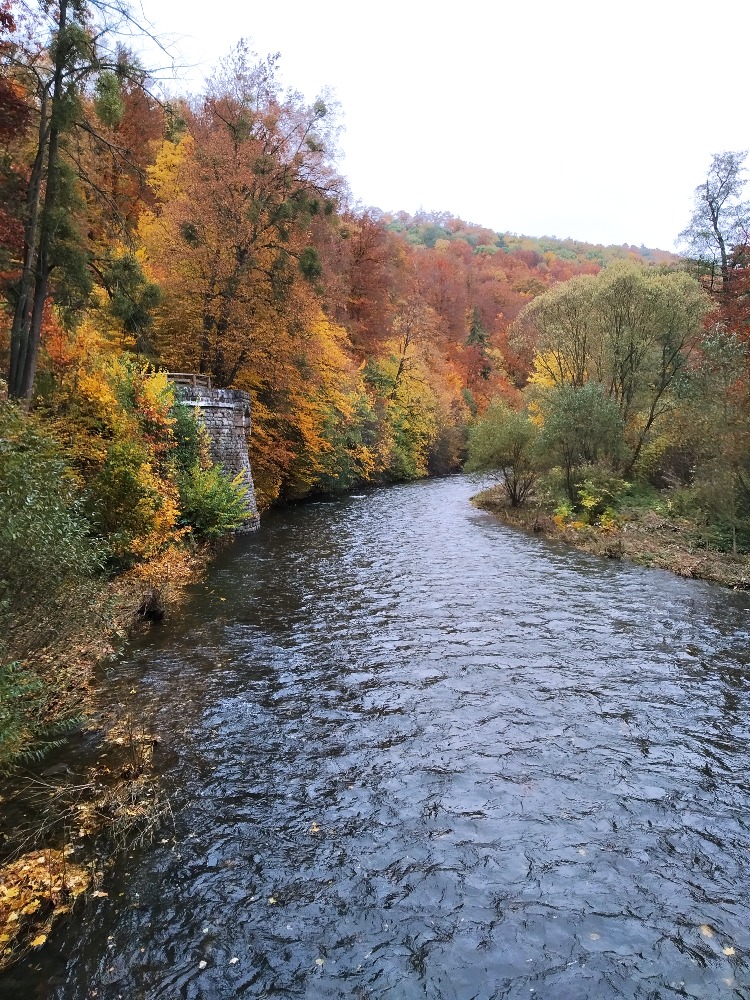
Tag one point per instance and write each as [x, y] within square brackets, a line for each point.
[650, 535]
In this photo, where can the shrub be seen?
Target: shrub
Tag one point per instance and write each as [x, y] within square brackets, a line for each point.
[598, 497]
[48, 557]
[600, 490]
[131, 502]
[25, 735]
[507, 441]
[582, 426]
[212, 502]
[50, 586]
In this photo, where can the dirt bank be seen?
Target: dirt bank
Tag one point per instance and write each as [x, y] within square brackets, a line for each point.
[65, 816]
[641, 536]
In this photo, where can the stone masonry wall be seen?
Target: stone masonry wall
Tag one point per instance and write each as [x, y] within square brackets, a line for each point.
[226, 416]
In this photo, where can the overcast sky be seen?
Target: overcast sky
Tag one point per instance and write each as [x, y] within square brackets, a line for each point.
[594, 120]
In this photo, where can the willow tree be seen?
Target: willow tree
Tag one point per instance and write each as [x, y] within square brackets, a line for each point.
[630, 329]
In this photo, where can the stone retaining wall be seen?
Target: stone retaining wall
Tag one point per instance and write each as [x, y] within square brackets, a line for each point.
[226, 416]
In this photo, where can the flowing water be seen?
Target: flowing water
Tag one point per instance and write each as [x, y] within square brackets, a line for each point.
[413, 753]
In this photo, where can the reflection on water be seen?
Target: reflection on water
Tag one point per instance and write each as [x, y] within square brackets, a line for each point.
[413, 753]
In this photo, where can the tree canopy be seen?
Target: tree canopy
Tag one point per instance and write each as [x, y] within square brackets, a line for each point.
[721, 218]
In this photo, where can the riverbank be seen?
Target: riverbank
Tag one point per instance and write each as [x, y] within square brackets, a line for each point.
[64, 818]
[641, 536]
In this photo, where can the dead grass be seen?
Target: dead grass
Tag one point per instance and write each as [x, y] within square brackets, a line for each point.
[113, 805]
[108, 806]
[141, 595]
[35, 890]
[642, 537]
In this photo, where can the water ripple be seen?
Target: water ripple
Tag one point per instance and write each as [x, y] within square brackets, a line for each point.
[416, 754]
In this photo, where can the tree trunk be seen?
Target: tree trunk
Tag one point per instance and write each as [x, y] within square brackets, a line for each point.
[20, 328]
[27, 320]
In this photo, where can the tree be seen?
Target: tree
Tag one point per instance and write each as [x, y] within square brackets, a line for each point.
[57, 74]
[507, 441]
[630, 330]
[374, 273]
[717, 428]
[15, 115]
[720, 219]
[560, 327]
[582, 426]
[230, 239]
[477, 333]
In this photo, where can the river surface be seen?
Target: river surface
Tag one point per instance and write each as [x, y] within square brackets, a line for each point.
[414, 753]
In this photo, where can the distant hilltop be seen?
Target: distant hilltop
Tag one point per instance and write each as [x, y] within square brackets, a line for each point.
[430, 228]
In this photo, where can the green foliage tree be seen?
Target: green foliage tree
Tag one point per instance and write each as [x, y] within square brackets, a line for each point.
[582, 426]
[477, 334]
[132, 298]
[506, 440]
[82, 51]
[630, 330]
[716, 427]
[560, 326]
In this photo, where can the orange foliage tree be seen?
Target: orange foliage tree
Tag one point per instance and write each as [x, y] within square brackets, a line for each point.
[236, 206]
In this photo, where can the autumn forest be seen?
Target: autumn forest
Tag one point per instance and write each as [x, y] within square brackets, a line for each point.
[213, 234]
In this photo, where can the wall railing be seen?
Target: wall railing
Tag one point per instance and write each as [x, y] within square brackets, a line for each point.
[190, 378]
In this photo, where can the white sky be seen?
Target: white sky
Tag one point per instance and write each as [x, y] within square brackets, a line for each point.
[594, 120]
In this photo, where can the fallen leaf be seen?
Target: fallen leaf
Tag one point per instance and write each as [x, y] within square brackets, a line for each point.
[202, 964]
[706, 931]
[38, 940]
[729, 950]
[271, 900]
[99, 894]
[319, 961]
[234, 960]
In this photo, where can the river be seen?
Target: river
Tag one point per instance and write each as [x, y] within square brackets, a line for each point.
[414, 753]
